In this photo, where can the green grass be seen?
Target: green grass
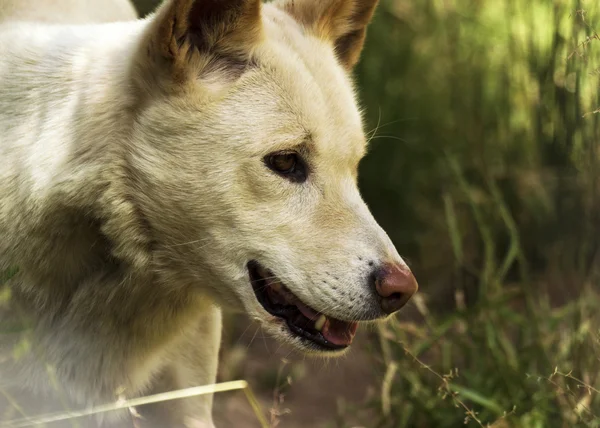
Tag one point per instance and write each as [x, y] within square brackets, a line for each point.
[493, 194]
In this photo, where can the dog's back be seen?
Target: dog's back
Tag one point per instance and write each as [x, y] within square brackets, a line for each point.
[27, 34]
[15, 332]
[67, 11]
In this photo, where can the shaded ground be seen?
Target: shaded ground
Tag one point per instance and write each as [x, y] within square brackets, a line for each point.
[317, 391]
[294, 391]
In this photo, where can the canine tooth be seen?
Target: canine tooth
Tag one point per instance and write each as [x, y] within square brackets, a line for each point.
[320, 323]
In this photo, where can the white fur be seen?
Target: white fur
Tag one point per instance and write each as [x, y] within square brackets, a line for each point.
[67, 11]
[131, 205]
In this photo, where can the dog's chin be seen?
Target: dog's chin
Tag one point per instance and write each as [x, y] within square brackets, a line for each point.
[292, 321]
[279, 330]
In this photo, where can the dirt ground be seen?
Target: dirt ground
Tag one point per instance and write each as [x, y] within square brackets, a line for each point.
[317, 391]
[294, 391]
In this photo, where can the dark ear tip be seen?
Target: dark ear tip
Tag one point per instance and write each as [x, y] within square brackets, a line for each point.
[212, 11]
[363, 12]
[207, 10]
[189, 36]
[349, 47]
[343, 22]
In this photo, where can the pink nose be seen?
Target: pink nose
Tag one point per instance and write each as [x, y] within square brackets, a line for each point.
[395, 284]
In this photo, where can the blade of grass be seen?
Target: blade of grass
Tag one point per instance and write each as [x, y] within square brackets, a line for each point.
[476, 397]
[157, 398]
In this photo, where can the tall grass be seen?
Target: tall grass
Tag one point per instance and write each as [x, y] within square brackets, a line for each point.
[490, 133]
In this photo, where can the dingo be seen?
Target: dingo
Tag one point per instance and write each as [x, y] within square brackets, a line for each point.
[67, 11]
[154, 171]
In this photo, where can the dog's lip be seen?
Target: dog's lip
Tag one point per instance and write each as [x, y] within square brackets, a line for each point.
[327, 333]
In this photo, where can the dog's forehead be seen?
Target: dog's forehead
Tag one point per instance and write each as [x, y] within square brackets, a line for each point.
[318, 91]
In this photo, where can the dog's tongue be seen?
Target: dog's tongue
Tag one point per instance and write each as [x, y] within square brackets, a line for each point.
[338, 332]
[306, 311]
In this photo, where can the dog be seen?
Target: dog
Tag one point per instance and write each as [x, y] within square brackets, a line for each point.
[67, 11]
[156, 171]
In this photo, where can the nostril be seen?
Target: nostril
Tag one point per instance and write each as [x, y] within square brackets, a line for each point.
[395, 284]
[395, 296]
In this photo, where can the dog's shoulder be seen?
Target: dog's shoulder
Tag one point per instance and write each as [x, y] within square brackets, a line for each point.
[67, 11]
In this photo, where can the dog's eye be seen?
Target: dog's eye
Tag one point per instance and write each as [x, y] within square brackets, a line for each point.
[284, 163]
[287, 164]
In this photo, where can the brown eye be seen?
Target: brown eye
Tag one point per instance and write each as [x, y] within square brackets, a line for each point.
[288, 165]
[284, 164]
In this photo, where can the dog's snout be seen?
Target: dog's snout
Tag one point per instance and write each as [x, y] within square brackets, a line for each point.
[395, 284]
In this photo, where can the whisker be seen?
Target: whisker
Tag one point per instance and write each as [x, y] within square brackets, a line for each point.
[185, 243]
[391, 123]
[266, 278]
[265, 341]
[253, 337]
[376, 126]
[393, 137]
[242, 335]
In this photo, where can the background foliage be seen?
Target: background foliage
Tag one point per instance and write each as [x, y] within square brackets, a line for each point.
[484, 170]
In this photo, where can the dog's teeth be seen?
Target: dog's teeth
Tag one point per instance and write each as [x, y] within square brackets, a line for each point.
[320, 322]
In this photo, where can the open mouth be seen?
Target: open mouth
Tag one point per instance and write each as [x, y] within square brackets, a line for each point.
[304, 322]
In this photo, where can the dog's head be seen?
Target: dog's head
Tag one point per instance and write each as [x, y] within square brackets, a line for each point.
[250, 139]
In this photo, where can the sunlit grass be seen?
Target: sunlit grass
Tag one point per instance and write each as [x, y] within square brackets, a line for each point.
[131, 404]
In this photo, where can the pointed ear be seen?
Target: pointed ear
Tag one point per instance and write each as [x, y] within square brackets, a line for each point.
[342, 22]
[189, 35]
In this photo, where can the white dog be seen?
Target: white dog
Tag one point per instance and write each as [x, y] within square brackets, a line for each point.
[154, 171]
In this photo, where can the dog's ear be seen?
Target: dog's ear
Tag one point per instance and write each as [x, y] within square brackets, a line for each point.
[187, 35]
[342, 22]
